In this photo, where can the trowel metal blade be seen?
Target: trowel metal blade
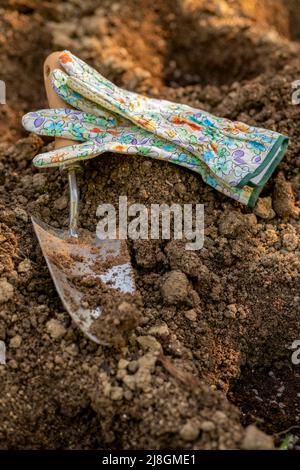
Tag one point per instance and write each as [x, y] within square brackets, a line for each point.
[57, 244]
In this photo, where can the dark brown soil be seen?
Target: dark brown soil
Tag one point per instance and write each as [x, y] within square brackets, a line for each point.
[200, 366]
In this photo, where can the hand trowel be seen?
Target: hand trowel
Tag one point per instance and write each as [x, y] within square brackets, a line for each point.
[80, 262]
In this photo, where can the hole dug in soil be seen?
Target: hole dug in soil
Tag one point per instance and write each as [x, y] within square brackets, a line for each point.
[216, 45]
[210, 55]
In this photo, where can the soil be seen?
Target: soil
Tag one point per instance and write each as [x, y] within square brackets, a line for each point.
[209, 351]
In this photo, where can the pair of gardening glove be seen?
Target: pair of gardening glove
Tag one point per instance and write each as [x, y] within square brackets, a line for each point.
[232, 157]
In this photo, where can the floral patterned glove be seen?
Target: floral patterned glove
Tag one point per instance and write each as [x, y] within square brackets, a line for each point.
[232, 157]
[101, 134]
[234, 151]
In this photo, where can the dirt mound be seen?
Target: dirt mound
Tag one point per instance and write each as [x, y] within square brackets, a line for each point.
[174, 382]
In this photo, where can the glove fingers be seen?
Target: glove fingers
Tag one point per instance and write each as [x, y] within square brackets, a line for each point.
[76, 100]
[94, 83]
[69, 123]
[139, 109]
[69, 154]
[114, 104]
[75, 67]
[127, 143]
[74, 124]
[53, 122]
[91, 92]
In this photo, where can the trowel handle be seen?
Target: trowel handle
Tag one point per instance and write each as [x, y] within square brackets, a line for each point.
[50, 64]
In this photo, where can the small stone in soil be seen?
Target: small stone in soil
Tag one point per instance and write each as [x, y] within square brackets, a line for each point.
[191, 315]
[255, 439]
[21, 214]
[61, 203]
[24, 266]
[6, 291]
[39, 180]
[15, 342]
[263, 208]
[189, 431]
[175, 287]
[160, 330]
[284, 201]
[149, 343]
[55, 329]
